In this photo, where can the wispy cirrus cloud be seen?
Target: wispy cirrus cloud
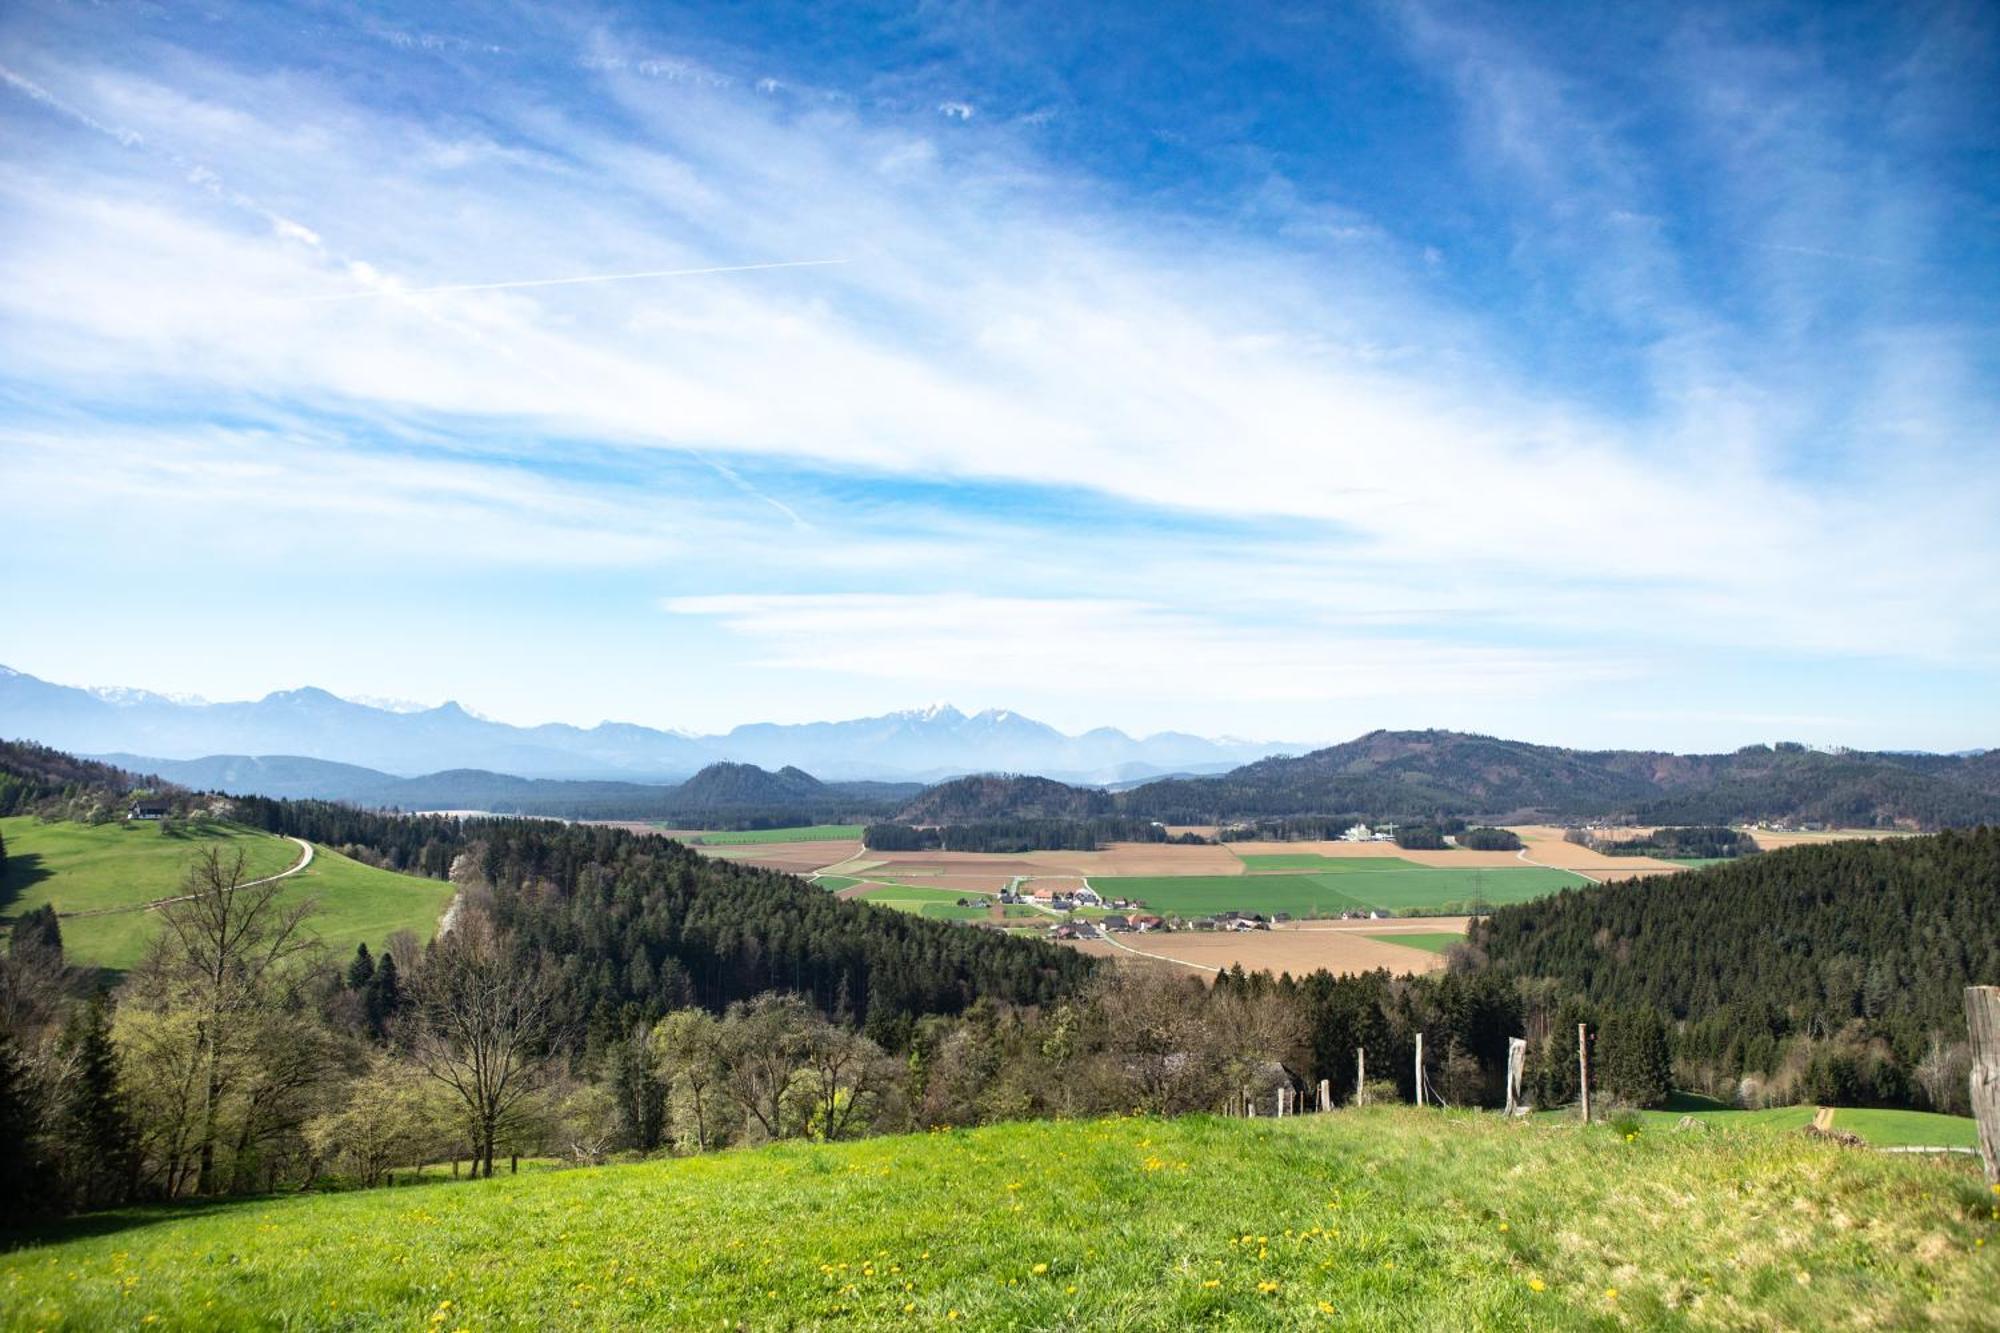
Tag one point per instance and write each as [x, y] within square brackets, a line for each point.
[1702, 444]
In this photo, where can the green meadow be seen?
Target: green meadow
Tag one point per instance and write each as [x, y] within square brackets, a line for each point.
[1386, 1218]
[939, 904]
[754, 837]
[1262, 862]
[1414, 890]
[1430, 941]
[88, 867]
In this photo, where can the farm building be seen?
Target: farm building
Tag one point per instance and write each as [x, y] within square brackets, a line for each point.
[149, 810]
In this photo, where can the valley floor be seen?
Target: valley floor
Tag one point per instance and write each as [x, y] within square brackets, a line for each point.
[1384, 1218]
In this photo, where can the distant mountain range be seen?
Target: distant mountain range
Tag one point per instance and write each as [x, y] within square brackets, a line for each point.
[912, 745]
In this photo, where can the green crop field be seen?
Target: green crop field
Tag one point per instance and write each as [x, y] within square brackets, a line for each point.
[835, 883]
[82, 867]
[940, 904]
[1259, 863]
[749, 837]
[1417, 889]
[1387, 1218]
[1431, 941]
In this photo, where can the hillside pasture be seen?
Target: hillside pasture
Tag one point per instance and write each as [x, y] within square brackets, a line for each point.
[1385, 1218]
[93, 867]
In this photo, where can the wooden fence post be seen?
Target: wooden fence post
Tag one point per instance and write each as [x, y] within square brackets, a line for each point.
[1583, 1068]
[1326, 1094]
[1982, 1016]
[1420, 1069]
[1361, 1076]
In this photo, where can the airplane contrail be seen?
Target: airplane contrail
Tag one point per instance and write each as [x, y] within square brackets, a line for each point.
[566, 282]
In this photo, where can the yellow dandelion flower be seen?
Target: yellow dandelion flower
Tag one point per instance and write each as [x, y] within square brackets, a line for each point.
[1326, 1307]
[1211, 1283]
[1503, 1226]
[1611, 1293]
[1040, 1269]
[1267, 1286]
[1536, 1284]
[1071, 1289]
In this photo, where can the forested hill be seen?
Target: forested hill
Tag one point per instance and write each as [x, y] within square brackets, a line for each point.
[1810, 939]
[1412, 774]
[641, 925]
[996, 796]
[31, 774]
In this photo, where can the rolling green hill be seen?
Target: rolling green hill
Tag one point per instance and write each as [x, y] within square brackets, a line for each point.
[92, 867]
[1385, 1218]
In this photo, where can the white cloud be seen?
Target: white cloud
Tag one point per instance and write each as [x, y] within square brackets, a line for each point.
[1123, 649]
[997, 322]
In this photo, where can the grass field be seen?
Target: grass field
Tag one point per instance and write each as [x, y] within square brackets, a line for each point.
[1878, 1127]
[1431, 941]
[835, 883]
[1388, 1218]
[760, 836]
[358, 903]
[1316, 861]
[81, 867]
[1417, 889]
[939, 904]
[1908, 1129]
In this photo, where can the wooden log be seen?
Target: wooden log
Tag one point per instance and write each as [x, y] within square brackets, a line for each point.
[1982, 1016]
[1583, 1068]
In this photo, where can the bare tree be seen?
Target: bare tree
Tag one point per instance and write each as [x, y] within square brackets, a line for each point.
[485, 1026]
[689, 1045]
[220, 959]
[845, 1075]
[763, 1048]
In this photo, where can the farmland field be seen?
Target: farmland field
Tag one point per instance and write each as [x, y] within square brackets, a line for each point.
[1258, 863]
[1432, 941]
[1416, 889]
[1385, 1218]
[758, 837]
[938, 904]
[82, 867]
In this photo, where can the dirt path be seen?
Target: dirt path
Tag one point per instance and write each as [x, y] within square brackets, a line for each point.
[1523, 855]
[305, 859]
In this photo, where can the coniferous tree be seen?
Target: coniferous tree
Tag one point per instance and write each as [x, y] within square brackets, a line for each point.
[640, 1091]
[38, 929]
[24, 1168]
[382, 1000]
[93, 1129]
[361, 969]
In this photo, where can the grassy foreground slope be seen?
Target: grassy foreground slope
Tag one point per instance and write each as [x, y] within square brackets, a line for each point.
[1387, 1218]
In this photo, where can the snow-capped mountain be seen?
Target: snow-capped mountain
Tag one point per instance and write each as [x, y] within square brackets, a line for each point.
[923, 743]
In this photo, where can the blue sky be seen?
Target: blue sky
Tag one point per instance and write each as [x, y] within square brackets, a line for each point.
[1591, 374]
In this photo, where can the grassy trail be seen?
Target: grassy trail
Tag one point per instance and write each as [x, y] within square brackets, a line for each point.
[1388, 1218]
